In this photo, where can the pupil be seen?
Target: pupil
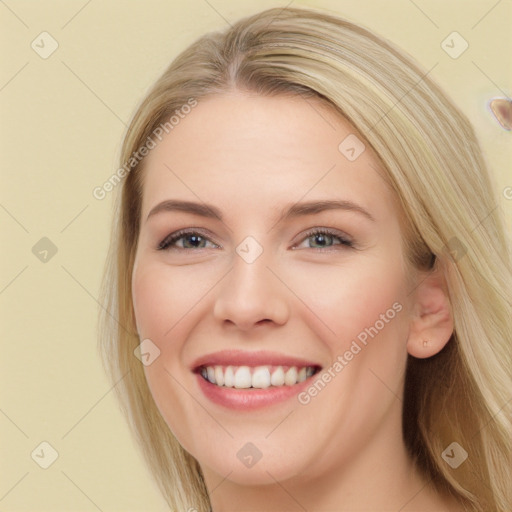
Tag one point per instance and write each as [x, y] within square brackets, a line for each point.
[194, 240]
[321, 239]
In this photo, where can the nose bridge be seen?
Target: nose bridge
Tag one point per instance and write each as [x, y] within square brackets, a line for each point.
[250, 292]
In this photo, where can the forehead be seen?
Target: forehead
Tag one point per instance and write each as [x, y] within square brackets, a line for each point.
[251, 150]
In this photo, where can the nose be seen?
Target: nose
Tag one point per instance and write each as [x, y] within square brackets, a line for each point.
[251, 295]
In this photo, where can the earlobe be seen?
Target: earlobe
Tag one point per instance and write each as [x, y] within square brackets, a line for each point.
[432, 322]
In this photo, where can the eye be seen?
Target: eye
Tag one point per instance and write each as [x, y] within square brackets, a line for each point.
[323, 238]
[185, 239]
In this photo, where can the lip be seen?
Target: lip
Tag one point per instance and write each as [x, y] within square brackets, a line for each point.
[250, 399]
[247, 358]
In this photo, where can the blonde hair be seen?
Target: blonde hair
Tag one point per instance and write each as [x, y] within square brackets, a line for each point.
[432, 160]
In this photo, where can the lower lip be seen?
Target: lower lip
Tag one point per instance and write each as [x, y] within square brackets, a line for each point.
[251, 398]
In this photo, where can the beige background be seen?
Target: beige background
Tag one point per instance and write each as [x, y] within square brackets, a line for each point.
[62, 119]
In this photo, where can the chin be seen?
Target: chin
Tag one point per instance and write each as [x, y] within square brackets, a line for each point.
[257, 463]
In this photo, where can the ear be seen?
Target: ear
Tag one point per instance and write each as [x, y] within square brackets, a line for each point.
[432, 322]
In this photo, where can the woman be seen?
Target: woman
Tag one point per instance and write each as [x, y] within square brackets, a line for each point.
[308, 261]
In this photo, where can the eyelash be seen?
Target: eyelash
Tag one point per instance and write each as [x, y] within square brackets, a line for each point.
[167, 242]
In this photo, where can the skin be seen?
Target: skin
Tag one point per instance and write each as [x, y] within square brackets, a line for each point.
[252, 156]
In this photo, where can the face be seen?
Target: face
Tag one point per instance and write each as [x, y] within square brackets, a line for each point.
[265, 246]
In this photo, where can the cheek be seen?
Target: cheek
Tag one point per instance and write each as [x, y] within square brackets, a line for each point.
[162, 297]
[163, 305]
[365, 308]
[158, 308]
[348, 299]
[151, 302]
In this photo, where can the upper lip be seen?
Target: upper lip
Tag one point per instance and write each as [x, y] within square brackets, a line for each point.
[248, 358]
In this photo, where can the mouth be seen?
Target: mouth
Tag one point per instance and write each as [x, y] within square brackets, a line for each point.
[258, 377]
[244, 380]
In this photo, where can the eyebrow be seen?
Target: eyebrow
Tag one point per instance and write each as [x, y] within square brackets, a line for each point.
[295, 210]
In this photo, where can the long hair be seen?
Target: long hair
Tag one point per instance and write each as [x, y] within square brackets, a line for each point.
[435, 166]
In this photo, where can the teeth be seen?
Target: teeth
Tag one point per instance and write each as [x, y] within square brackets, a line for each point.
[261, 377]
[243, 377]
[219, 376]
[229, 377]
[277, 378]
